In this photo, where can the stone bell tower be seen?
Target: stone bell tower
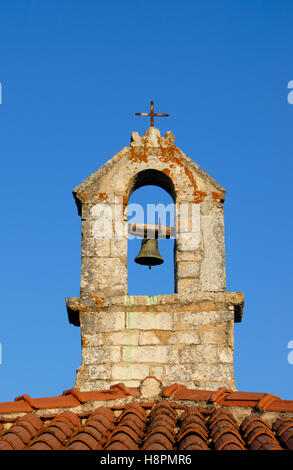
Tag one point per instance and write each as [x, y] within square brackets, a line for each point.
[185, 337]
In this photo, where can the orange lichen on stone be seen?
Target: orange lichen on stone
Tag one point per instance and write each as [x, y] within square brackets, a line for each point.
[137, 155]
[216, 196]
[198, 196]
[99, 302]
[84, 341]
[169, 155]
[167, 171]
[101, 196]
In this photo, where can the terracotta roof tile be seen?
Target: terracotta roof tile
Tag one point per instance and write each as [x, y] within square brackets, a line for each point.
[21, 433]
[126, 390]
[97, 395]
[284, 432]
[224, 431]
[95, 431]
[135, 415]
[219, 394]
[84, 443]
[180, 392]
[280, 405]
[193, 433]
[20, 406]
[55, 434]
[129, 429]
[160, 433]
[167, 391]
[259, 435]
[50, 402]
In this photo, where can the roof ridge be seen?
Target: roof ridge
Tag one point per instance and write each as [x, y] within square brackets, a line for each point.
[177, 392]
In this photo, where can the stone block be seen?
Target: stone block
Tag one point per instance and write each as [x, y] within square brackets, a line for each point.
[187, 285]
[110, 321]
[97, 371]
[168, 337]
[213, 372]
[185, 337]
[178, 373]
[87, 246]
[102, 248]
[214, 334]
[101, 221]
[149, 320]
[119, 247]
[92, 340]
[92, 385]
[188, 241]
[226, 355]
[126, 337]
[149, 354]
[198, 354]
[148, 337]
[109, 272]
[103, 274]
[216, 385]
[127, 383]
[88, 323]
[187, 320]
[97, 355]
[129, 371]
[194, 255]
[158, 371]
[187, 269]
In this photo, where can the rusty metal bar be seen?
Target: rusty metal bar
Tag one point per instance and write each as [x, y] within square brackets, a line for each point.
[152, 114]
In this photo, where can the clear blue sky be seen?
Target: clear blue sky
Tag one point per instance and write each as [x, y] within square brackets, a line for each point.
[73, 75]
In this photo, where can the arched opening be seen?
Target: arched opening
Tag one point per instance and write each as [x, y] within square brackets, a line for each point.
[151, 203]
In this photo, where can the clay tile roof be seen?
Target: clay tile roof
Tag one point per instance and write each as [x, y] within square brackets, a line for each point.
[21, 433]
[50, 402]
[284, 432]
[20, 406]
[259, 435]
[119, 419]
[224, 432]
[55, 434]
[126, 390]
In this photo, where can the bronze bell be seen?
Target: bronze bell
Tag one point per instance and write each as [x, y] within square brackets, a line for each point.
[149, 253]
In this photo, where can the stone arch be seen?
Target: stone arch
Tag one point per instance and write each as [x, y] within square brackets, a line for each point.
[153, 177]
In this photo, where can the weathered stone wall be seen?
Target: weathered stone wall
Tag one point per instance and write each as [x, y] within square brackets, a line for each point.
[177, 338]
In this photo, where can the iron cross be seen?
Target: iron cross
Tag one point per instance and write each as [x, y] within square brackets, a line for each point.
[152, 114]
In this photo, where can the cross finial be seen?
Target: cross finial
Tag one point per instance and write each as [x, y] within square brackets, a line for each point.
[152, 114]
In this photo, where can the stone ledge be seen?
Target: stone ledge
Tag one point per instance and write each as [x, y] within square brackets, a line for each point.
[232, 300]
